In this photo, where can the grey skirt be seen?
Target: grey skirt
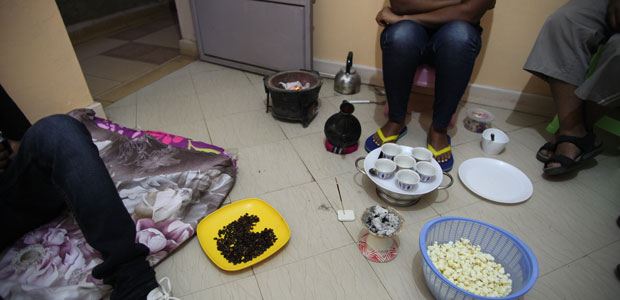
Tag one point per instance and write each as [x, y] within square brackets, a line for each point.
[566, 44]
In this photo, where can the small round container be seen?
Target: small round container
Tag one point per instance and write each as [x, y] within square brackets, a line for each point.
[404, 161]
[407, 179]
[426, 171]
[389, 150]
[494, 141]
[421, 154]
[384, 168]
[478, 119]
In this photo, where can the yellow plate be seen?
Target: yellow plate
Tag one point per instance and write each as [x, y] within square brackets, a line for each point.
[268, 218]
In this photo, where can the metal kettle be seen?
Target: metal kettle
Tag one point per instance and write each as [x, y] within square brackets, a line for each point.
[348, 81]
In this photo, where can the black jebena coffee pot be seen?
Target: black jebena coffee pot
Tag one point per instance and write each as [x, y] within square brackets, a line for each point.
[343, 130]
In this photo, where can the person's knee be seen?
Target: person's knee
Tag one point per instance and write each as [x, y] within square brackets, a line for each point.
[460, 36]
[57, 124]
[563, 17]
[405, 35]
[62, 128]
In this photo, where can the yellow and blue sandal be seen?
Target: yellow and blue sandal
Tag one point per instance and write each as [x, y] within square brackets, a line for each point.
[371, 145]
[447, 165]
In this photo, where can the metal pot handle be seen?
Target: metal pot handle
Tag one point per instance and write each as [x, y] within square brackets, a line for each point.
[449, 184]
[361, 170]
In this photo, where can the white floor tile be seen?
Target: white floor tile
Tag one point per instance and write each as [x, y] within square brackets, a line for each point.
[190, 270]
[575, 212]
[582, 279]
[268, 168]
[316, 232]
[342, 273]
[245, 129]
[242, 289]
[158, 112]
[124, 112]
[225, 92]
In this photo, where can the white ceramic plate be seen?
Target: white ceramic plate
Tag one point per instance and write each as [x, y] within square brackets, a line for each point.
[495, 180]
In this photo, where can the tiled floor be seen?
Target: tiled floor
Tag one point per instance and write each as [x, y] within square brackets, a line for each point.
[568, 223]
[113, 61]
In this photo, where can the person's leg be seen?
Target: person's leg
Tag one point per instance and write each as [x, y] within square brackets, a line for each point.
[455, 47]
[602, 84]
[576, 119]
[402, 45]
[561, 55]
[59, 150]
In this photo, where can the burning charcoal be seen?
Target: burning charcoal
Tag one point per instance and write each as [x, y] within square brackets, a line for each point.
[295, 85]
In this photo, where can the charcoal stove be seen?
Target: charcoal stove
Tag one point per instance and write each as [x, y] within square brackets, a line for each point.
[295, 105]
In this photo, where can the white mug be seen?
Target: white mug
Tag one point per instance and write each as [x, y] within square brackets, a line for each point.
[384, 168]
[421, 154]
[404, 161]
[426, 171]
[494, 141]
[406, 180]
[390, 150]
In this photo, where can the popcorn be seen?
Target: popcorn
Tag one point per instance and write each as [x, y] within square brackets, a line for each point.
[469, 268]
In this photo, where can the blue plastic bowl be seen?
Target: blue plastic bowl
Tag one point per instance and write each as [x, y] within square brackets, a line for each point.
[516, 257]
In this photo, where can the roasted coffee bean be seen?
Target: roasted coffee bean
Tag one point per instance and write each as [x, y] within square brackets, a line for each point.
[239, 244]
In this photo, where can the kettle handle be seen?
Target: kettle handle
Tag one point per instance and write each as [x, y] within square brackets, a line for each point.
[349, 61]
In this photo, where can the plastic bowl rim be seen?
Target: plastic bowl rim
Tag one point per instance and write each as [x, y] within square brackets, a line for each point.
[530, 256]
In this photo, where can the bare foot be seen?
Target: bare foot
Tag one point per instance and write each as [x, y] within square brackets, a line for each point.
[546, 154]
[438, 138]
[569, 150]
[389, 129]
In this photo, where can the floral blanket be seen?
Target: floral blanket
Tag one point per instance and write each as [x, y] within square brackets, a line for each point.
[167, 183]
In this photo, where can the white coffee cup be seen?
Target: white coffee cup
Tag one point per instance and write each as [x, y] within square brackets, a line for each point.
[426, 171]
[421, 154]
[390, 150]
[406, 180]
[384, 168]
[404, 161]
[494, 141]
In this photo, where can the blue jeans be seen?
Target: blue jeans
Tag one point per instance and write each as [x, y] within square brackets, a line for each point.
[57, 167]
[452, 49]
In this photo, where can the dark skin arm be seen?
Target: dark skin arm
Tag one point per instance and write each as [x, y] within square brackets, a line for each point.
[613, 15]
[470, 11]
[410, 7]
[4, 154]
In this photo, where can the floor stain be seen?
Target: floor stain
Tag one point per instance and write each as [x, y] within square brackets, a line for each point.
[324, 207]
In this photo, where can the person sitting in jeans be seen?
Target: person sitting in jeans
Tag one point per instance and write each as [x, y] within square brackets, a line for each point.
[52, 166]
[445, 34]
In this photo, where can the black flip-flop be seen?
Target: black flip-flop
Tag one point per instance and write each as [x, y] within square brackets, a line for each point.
[588, 150]
[549, 146]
